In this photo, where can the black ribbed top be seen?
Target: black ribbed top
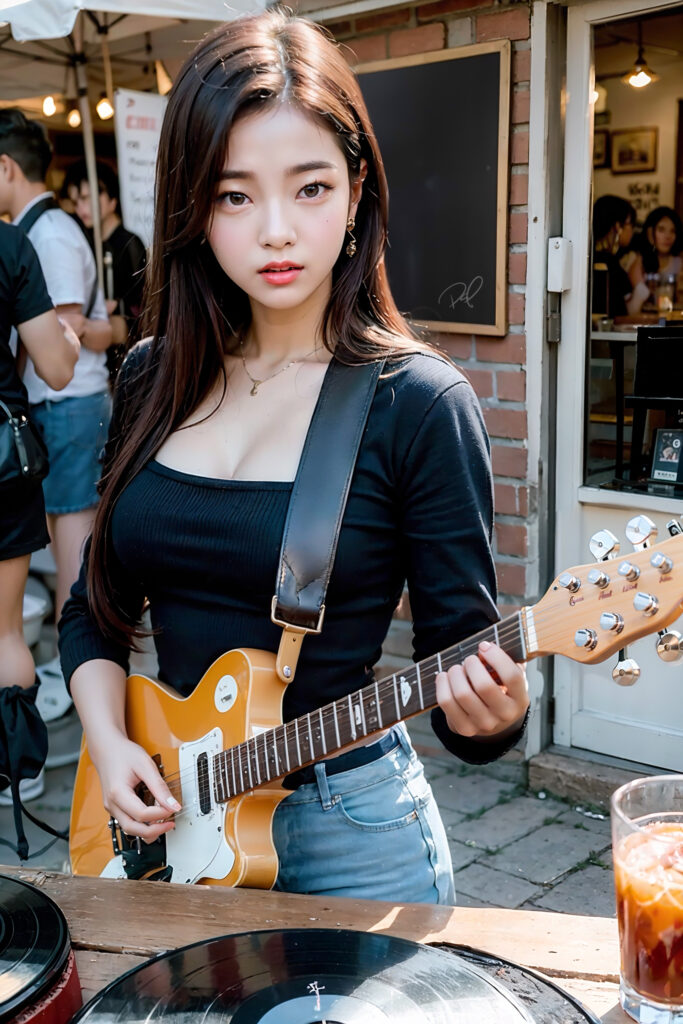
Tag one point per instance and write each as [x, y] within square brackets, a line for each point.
[205, 551]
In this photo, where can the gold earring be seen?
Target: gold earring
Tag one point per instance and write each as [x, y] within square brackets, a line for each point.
[351, 247]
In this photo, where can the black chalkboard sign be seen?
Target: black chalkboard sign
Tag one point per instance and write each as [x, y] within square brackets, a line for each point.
[442, 122]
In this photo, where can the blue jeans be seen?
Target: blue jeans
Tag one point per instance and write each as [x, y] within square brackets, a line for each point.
[74, 430]
[372, 832]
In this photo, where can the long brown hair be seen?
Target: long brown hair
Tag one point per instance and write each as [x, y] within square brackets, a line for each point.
[195, 313]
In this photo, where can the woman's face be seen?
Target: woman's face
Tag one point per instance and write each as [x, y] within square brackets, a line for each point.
[664, 235]
[626, 234]
[279, 218]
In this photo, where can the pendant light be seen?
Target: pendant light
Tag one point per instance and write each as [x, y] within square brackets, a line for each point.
[73, 118]
[49, 106]
[104, 108]
[640, 74]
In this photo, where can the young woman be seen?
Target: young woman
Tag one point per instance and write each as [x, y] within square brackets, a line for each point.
[659, 249]
[267, 263]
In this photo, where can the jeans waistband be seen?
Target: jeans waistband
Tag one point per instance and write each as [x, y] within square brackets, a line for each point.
[344, 762]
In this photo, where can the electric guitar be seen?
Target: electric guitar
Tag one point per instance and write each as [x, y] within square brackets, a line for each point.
[224, 750]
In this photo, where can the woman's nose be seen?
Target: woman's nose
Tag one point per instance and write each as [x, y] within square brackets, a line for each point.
[277, 229]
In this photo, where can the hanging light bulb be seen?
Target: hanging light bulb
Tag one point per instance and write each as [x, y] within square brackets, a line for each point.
[640, 74]
[73, 118]
[104, 108]
[49, 106]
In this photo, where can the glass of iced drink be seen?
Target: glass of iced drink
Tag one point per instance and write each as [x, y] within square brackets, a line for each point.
[647, 842]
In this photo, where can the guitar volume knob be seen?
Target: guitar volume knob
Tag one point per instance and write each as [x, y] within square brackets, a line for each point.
[586, 638]
[646, 603]
[569, 582]
[629, 571]
[599, 578]
[610, 620]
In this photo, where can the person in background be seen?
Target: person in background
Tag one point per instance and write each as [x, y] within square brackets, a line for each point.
[73, 420]
[53, 349]
[613, 223]
[128, 257]
[659, 251]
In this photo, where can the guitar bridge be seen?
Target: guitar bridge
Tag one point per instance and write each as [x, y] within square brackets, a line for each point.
[141, 860]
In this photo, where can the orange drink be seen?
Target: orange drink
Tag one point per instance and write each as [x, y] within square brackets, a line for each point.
[647, 831]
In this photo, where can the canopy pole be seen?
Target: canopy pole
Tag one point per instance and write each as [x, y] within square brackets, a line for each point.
[88, 144]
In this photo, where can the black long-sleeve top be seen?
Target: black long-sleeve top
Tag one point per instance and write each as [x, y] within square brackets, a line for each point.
[205, 552]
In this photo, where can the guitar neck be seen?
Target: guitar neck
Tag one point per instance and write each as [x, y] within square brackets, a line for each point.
[277, 752]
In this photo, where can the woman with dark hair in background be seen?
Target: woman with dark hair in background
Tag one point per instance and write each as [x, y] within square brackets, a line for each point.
[267, 264]
[613, 222]
[659, 247]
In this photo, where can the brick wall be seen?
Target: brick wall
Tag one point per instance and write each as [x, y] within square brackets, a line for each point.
[495, 366]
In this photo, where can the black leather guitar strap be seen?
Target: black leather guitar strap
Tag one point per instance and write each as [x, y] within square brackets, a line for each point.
[317, 504]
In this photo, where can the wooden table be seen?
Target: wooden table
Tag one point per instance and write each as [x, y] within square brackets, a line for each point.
[117, 925]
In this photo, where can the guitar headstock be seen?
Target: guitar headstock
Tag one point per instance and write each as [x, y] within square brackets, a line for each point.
[592, 611]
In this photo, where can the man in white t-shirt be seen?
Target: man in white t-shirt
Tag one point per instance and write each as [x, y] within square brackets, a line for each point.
[74, 421]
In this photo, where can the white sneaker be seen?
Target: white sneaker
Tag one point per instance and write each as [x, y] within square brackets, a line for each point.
[53, 700]
[29, 789]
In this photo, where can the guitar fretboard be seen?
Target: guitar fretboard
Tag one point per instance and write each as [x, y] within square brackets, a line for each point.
[277, 752]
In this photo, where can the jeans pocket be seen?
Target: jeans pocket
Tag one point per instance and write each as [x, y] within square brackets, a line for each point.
[382, 807]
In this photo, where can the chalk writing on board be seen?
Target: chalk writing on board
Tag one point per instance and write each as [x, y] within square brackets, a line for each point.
[460, 291]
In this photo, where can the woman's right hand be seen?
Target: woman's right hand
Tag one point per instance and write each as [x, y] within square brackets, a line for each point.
[122, 766]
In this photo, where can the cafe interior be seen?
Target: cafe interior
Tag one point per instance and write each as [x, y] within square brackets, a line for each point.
[634, 373]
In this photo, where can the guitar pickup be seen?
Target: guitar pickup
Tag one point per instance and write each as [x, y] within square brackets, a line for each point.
[203, 787]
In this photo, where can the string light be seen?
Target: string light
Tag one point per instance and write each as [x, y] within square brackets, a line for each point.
[49, 106]
[104, 108]
[73, 118]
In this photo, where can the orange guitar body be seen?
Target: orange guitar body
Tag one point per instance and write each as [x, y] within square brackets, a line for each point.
[239, 696]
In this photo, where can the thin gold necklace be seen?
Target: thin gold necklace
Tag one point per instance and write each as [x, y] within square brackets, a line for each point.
[255, 383]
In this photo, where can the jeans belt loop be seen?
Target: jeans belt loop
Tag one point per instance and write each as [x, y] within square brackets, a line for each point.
[354, 758]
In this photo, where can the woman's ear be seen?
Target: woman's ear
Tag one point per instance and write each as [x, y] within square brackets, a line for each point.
[357, 188]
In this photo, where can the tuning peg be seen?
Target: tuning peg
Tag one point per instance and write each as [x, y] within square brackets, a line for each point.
[674, 527]
[604, 545]
[669, 645]
[626, 672]
[641, 532]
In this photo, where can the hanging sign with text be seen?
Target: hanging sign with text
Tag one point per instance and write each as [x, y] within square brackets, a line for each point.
[138, 117]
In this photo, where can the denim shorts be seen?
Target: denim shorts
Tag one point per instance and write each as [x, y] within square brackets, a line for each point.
[74, 430]
[373, 832]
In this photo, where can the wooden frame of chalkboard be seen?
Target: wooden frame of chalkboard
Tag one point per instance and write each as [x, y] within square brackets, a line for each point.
[448, 188]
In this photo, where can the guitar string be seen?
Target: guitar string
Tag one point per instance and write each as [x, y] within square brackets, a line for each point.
[510, 629]
[387, 684]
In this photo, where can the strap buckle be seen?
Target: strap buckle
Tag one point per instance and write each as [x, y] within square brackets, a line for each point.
[290, 642]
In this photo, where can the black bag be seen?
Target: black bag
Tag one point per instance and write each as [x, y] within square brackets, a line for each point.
[23, 455]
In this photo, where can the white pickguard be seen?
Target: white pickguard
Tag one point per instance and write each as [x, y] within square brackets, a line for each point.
[196, 848]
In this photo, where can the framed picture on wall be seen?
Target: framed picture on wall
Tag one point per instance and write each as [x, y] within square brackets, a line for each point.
[666, 455]
[600, 147]
[634, 150]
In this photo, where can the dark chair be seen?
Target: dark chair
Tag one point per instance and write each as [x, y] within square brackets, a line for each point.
[657, 382]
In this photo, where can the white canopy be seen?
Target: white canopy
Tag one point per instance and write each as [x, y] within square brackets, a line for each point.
[55, 19]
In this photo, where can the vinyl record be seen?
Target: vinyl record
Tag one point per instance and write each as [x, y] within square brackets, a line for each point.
[34, 945]
[311, 976]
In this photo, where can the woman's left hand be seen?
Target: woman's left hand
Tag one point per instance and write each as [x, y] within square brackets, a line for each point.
[484, 697]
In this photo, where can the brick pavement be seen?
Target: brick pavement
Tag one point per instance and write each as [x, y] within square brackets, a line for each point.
[510, 847]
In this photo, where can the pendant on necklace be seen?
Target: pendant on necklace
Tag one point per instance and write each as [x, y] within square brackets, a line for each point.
[255, 387]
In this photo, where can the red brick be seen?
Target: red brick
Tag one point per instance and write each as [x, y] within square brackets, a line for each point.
[519, 148]
[511, 577]
[403, 42]
[520, 106]
[523, 499]
[339, 28]
[506, 422]
[519, 189]
[521, 66]
[512, 23]
[511, 386]
[457, 346]
[448, 7]
[510, 349]
[384, 19]
[517, 268]
[505, 499]
[509, 460]
[515, 308]
[511, 539]
[481, 381]
[358, 51]
[519, 224]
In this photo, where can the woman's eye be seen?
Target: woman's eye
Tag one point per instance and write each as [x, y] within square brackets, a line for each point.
[233, 199]
[314, 190]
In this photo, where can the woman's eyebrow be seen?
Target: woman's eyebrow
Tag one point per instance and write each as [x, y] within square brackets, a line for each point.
[227, 174]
